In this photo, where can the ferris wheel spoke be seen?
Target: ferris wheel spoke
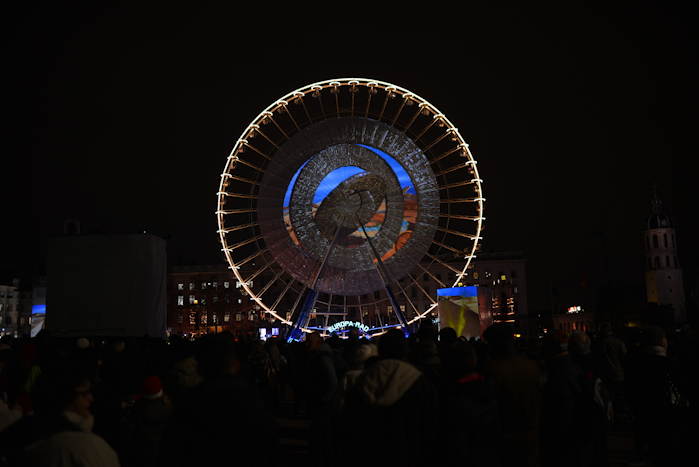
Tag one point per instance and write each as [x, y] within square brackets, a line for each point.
[436, 141]
[452, 249]
[400, 109]
[238, 227]
[445, 154]
[389, 95]
[248, 145]
[293, 120]
[240, 179]
[236, 195]
[259, 131]
[300, 100]
[426, 129]
[459, 234]
[462, 200]
[281, 296]
[413, 118]
[460, 184]
[258, 272]
[252, 257]
[245, 242]
[296, 303]
[407, 298]
[429, 273]
[235, 211]
[446, 265]
[270, 283]
[424, 292]
[269, 116]
[466, 218]
[249, 164]
[371, 91]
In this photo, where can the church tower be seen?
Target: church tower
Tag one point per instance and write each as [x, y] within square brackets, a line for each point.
[664, 284]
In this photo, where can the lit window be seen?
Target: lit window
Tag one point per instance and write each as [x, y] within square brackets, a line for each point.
[191, 286]
[226, 317]
[226, 284]
[180, 300]
[215, 318]
[192, 300]
[503, 277]
[475, 274]
[238, 317]
[389, 309]
[180, 318]
[215, 285]
[215, 299]
[402, 308]
[203, 318]
[180, 286]
[227, 298]
[240, 300]
[251, 316]
[192, 318]
[203, 286]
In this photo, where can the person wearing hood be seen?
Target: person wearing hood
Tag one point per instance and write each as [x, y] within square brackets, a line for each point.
[61, 432]
[393, 408]
[321, 393]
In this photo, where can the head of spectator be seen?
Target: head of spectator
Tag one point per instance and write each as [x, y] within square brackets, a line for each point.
[362, 353]
[579, 343]
[447, 336]
[217, 356]
[460, 359]
[500, 340]
[427, 332]
[313, 341]
[554, 344]
[654, 340]
[393, 345]
[152, 388]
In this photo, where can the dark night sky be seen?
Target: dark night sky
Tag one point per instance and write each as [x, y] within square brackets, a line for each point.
[124, 118]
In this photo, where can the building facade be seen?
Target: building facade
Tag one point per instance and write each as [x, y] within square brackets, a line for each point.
[10, 305]
[209, 299]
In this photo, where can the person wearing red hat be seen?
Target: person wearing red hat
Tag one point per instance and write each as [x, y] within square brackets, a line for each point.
[147, 422]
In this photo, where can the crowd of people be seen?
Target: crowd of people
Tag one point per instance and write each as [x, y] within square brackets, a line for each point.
[431, 398]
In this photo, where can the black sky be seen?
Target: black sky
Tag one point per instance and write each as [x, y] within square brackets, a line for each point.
[123, 118]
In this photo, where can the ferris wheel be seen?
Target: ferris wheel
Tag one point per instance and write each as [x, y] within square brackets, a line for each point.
[341, 198]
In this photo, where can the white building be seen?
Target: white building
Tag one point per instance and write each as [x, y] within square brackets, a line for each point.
[664, 283]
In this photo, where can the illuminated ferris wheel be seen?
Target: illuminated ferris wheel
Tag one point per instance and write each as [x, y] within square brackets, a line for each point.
[340, 198]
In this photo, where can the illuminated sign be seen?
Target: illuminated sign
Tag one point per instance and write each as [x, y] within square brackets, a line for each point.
[348, 324]
[575, 309]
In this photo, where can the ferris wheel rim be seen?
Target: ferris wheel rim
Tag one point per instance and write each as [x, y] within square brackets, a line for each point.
[318, 86]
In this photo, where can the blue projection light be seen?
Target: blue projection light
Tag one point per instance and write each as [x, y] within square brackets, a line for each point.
[337, 176]
[470, 291]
